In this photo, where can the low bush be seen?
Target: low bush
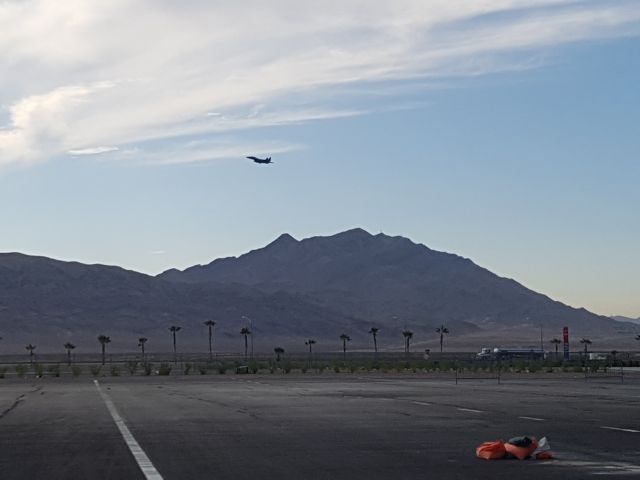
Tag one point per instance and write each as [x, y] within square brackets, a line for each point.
[165, 369]
[95, 370]
[202, 368]
[187, 368]
[132, 366]
[21, 370]
[3, 370]
[147, 368]
[115, 371]
[38, 369]
[76, 370]
[54, 370]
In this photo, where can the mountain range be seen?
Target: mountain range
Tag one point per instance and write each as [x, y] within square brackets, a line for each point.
[289, 291]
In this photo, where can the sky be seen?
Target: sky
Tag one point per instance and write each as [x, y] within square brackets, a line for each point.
[504, 131]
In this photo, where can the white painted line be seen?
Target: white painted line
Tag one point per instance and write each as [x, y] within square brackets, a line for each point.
[422, 403]
[148, 470]
[533, 418]
[629, 430]
[470, 410]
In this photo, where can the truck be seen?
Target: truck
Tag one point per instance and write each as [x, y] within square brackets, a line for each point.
[500, 353]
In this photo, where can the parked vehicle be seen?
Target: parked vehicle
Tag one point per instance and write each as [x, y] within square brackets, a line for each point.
[499, 353]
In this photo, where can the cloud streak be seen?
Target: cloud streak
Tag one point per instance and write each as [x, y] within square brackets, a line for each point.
[81, 78]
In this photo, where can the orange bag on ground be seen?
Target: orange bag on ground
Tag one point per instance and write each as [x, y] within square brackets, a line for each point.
[491, 450]
[520, 449]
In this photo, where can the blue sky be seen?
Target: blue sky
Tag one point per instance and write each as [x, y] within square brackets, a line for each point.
[506, 132]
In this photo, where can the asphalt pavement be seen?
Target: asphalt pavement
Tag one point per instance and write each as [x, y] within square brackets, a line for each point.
[321, 426]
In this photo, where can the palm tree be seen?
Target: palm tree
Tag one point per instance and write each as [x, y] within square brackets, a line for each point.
[210, 324]
[31, 348]
[141, 342]
[442, 330]
[278, 351]
[246, 332]
[103, 339]
[173, 329]
[586, 342]
[408, 335]
[311, 342]
[345, 338]
[556, 342]
[374, 334]
[69, 346]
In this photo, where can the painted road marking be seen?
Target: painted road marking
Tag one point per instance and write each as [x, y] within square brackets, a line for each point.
[629, 430]
[470, 410]
[533, 418]
[422, 403]
[148, 470]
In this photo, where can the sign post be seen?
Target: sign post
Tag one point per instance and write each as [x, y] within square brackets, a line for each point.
[565, 341]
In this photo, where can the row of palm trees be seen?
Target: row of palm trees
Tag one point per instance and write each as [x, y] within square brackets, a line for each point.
[104, 340]
[279, 351]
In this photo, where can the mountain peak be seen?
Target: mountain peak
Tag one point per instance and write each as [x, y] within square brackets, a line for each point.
[355, 232]
[284, 239]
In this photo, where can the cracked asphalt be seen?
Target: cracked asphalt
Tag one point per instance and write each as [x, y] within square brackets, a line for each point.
[327, 426]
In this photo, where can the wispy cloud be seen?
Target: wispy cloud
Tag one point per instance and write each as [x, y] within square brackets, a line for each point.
[80, 77]
[92, 151]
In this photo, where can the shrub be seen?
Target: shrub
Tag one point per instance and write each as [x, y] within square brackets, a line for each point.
[54, 370]
[187, 368]
[303, 369]
[38, 369]
[222, 369]
[3, 370]
[202, 368]
[21, 370]
[115, 370]
[148, 368]
[336, 368]
[165, 369]
[95, 370]
[132, 366]
[76, 370]
[353, 368]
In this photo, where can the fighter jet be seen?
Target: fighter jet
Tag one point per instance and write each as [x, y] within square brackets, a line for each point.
[260, 160]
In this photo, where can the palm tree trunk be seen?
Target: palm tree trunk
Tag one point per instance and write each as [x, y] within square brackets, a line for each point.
[102, 354]
[175, 351]
[68, 357]
[246, 346]
[441, 339]
[344, 350]
[210, 347]
[375, 344]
